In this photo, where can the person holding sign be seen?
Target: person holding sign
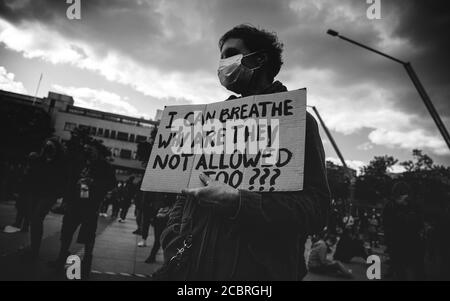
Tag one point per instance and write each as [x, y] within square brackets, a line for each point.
[217, 232]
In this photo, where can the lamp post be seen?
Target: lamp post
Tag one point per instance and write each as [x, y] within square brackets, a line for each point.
[415, 79]
[338, 152]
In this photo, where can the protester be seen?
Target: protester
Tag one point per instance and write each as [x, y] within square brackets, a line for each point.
[24, 201]
[218, 232]
[320, 264]
[333, 221]
[363, 223]
[372, 230]
[95, 178]
[148, 213]
[350, 246]
[116, 199]
[47, 177]
[138, 210]
[110, 199]
[403, 223]
[162, 208]
[128, 193]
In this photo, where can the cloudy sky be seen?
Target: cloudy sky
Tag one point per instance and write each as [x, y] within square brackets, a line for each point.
[133, 57]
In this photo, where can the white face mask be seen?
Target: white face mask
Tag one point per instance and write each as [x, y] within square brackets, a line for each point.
[233, 75]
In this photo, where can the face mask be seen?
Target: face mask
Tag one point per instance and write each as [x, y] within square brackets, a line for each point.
[233, 75]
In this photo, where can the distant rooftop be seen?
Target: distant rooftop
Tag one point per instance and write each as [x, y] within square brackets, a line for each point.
[26, 99]
[71, 108]
[109, 116]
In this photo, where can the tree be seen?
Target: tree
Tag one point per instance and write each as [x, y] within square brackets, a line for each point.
[375, 183]
[23, 129]
[430, 182]
[379, 166]
[338, 181]
[430, 185]
[420, 162]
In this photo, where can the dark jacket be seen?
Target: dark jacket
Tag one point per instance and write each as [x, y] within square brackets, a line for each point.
[265, 239]
[103, 179]
[46, 178]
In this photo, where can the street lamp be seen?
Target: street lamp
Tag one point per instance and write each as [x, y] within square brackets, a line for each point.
[415, 79]
[330, 137]
[349, 172]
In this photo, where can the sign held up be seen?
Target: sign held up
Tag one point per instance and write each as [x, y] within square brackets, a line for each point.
[255, 143]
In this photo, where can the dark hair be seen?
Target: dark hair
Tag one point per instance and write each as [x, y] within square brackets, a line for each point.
[59, 151]
[256, 39]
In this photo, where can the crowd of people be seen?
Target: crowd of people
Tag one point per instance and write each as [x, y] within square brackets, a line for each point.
[89, 189]
[80, 175]
[398, 231]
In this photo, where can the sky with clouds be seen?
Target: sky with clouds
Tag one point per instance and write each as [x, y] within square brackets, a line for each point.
[134, 57]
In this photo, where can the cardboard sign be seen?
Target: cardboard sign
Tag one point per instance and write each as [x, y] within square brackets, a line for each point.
[255, 143]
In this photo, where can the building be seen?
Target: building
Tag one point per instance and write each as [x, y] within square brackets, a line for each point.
[119, 133]
[158, 115]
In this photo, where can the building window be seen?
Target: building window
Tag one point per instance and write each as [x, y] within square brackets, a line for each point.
[70, 126]
[125, 154]
[106, 134]
[99, 132]
[115, 152]
[83, 127]
[131, 137]
[122, 136]
[113, 135]
[140, 138]
[92, 130]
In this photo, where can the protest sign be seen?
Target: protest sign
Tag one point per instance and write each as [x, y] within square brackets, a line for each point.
[255, 143]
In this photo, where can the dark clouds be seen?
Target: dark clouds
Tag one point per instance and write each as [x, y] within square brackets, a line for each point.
[125, 26]
[182, 36]
[426, 24]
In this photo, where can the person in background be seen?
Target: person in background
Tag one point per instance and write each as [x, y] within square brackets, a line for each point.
[350, 246]
[148, 213]
[95, 178]
[127, 195]
[372, 230]
[333, 220]
[24, 202]
[320, 264]
[152, 203]
[116, 198]
[364, 223]
[161, 206]
[47, 180]
[138, 211]
[403, 225]
[110, 199]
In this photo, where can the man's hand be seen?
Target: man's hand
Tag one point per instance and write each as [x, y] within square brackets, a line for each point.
[215, 194]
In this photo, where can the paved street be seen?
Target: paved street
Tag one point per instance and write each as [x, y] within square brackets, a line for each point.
[116, 255]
